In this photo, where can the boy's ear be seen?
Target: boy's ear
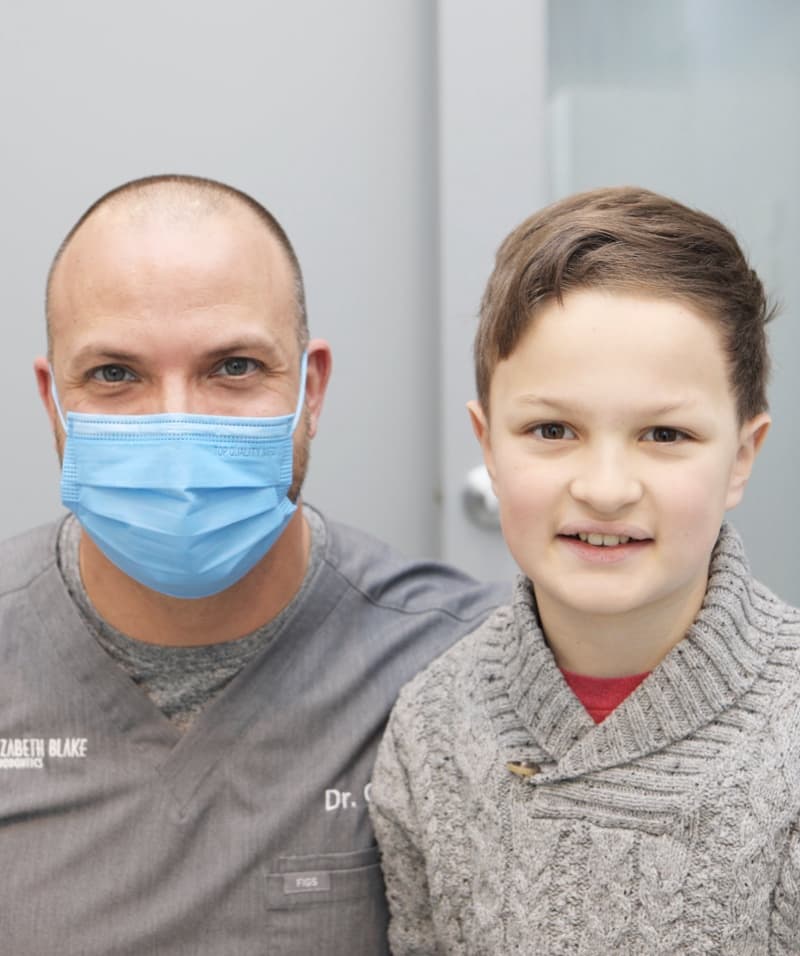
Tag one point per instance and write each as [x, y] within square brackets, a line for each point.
[480, 426]
[751, 438]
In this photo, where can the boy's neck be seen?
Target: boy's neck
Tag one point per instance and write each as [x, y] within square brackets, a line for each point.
[598, 645]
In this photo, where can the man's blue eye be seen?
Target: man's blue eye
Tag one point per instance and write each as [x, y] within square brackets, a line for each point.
[237, 366]
[112, 373]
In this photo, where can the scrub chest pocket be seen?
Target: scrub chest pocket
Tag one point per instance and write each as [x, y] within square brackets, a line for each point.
[335, 899]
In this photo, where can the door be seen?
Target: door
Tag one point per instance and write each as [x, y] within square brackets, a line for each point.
[697, 99]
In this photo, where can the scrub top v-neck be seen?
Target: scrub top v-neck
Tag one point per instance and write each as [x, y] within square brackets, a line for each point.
[249, 831]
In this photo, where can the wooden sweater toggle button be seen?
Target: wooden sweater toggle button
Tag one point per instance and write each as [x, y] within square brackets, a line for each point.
[523, 768]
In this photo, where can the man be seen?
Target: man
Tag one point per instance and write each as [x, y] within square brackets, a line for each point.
[197, 667]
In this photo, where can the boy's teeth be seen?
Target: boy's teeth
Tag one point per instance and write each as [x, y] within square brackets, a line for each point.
[604, 540]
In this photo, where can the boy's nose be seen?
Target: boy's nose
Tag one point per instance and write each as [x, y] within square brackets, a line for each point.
[607, 483]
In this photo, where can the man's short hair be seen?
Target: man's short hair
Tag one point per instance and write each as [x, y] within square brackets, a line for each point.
[177, 189]
[631, 241]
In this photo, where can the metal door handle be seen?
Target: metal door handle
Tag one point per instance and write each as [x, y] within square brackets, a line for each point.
[480, 503]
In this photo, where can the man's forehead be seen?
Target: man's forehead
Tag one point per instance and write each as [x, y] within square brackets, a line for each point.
[136, 221]
[171, 201]
[182, 241]
[220, 272]
[175, 201]
[126, 244]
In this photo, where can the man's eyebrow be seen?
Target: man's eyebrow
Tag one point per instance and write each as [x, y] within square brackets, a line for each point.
[101, 352]
[246, 343]
[107, 352]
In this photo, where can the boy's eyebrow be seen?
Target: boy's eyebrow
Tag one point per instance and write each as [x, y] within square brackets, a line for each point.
[561, 404]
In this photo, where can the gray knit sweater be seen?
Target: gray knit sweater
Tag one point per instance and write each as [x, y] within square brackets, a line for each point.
[671, 827]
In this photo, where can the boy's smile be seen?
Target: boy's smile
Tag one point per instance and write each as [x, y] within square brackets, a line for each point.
[615, 449]
[604, 547]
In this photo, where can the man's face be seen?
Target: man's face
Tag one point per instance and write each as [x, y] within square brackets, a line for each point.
[614, 418]
[158, 313]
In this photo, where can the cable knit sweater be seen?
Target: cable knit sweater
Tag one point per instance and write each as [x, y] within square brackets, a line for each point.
[672, 827]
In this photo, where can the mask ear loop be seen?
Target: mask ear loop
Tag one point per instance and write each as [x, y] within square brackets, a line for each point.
[55, 397]
[301, 398]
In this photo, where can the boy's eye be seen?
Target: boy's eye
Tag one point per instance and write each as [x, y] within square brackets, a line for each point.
[553, 431]
[664, 435]
[236, 366]
[112, 374]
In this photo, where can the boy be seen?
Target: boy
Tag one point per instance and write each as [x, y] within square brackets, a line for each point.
[612, 763]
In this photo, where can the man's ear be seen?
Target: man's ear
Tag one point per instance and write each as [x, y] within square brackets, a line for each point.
[318, 372]
[751, 438]
[41, 369]
[480, 425]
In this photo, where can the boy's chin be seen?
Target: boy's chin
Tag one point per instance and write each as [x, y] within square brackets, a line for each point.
[595, 603]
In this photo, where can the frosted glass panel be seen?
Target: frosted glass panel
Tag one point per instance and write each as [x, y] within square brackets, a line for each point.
[701, 100]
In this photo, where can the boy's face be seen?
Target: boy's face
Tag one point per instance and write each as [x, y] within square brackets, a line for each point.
[614, 418]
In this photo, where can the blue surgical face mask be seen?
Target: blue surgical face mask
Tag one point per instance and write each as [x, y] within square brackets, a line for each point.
[184, 504]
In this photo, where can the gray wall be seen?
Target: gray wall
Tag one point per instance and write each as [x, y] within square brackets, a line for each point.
[325, 112]
[398, 140]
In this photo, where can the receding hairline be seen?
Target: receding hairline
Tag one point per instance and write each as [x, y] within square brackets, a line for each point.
[182, 196]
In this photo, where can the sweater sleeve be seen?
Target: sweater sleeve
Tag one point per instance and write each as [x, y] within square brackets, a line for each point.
[394, 816]
[785, 931]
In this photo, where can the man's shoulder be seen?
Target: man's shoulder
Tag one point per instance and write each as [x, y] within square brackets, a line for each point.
[26, 555]
[464, 665]
[393, 582]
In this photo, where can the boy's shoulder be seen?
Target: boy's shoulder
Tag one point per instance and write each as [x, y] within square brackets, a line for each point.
[768, 614]
[783, 662]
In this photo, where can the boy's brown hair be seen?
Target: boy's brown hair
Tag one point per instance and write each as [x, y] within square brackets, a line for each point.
[631, 241]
